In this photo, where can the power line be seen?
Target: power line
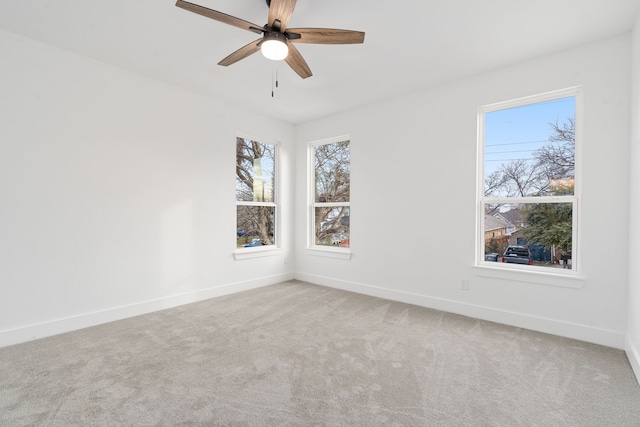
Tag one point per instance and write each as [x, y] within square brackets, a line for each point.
[506, 152]
[516, 143]
[508, 160]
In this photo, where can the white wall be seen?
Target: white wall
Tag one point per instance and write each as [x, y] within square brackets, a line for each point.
[117, 193]
[413, 198]
[633, 332]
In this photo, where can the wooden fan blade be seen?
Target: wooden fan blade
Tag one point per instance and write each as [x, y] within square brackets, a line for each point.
[218, 16]
[241, 53]
[297, 62]
[281, 10]
[326, 36]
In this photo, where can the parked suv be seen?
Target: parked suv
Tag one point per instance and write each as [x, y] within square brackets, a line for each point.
[517, 254]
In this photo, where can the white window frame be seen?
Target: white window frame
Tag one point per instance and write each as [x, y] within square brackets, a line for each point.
[550, 276]
[266, 250]
[321, 250]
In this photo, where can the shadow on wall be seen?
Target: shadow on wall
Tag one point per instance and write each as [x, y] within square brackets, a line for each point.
[177, 241]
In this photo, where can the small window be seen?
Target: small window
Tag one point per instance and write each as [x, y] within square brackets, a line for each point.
[527, 173]
[256, 197]
[331, 182]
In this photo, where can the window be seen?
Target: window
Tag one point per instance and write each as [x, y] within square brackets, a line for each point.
[330, 186]
[256, 197]
[528, 207]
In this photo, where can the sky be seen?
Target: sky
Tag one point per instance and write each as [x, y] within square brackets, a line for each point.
[515, 133]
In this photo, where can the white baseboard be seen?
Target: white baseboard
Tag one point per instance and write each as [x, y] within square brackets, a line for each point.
[550, 326]
[72, 323]
[633, 354]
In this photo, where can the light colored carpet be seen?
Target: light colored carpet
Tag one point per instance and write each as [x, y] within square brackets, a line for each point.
[295, 354]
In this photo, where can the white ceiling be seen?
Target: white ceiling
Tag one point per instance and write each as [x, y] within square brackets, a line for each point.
[409, 44]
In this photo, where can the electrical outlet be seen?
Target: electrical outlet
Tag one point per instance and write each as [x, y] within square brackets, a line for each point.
[286, 260]
[464, 285]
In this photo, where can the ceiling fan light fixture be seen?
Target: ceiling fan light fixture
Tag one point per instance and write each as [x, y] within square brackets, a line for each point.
[274, 46]
[276, 35]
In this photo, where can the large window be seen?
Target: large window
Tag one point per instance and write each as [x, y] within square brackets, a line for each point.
[331, 181]
[528, 207]
[256, 197]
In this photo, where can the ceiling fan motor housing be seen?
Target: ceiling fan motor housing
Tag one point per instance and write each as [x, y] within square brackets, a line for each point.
[274, 35]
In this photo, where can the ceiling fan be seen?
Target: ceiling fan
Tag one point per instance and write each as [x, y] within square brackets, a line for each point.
[277, 39]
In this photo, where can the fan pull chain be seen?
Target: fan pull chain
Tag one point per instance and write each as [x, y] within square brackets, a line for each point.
[274, 81]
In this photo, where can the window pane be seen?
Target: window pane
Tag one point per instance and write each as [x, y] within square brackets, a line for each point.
[530, 150]
[538, 234]
[332, 226]
[332, 169]
[256, 225]
[255, 171]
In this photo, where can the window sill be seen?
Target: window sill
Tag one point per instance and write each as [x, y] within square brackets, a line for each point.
[256, 252]
[336, 253]
[562, 278]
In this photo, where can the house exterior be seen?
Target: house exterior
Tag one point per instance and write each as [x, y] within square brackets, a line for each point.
[496, 227]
